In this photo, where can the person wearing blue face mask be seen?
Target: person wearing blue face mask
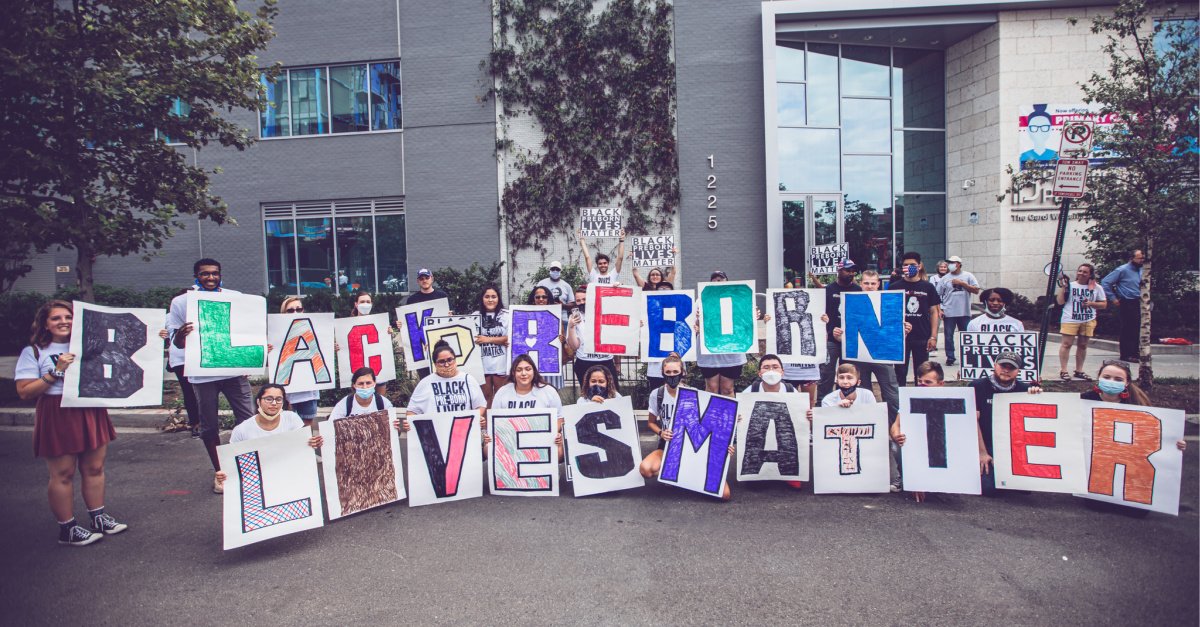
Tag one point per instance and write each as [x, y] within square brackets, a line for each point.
[365, 398]
[1114, 384]
[922, 309]
[559, 289]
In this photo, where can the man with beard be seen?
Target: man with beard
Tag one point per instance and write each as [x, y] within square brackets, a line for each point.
[1124, 287]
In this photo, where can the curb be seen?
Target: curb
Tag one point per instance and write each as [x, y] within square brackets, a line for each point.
[1114, 346]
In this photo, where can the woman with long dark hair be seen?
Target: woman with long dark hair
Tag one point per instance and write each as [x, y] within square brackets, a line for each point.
[69, 438]
[493, 339]
[274, 416]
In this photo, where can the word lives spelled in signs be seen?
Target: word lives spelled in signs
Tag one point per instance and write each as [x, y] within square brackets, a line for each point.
[978, 351]
[600, 221]
[120, 357]
[653, 251]
[825, 259]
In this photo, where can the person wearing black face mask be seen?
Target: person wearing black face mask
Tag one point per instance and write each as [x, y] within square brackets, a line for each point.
[661, 409]
[833, 309]
[599, 386]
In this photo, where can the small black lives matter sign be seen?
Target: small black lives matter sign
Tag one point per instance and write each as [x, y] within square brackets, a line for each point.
[825, 259]
[653, 251]
[600, 221]
[977, 352]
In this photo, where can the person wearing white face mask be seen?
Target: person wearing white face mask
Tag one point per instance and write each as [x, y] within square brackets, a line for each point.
[955, 289]
[559, 289]
[365, 399]
[364, 306]
[771, 370]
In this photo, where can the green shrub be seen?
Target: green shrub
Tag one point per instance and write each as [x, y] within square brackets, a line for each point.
[463, 286]
[17, 310]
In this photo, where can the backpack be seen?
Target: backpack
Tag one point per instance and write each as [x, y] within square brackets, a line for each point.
[757, 386]
[350, 400]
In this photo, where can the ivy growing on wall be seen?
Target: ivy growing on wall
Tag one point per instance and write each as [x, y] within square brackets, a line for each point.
[599, 80]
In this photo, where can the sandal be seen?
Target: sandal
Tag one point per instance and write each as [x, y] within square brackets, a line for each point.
[1064, 375]
[1082, 376]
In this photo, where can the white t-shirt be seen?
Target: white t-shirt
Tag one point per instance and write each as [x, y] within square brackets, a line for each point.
[584, 399]
[176, 318]
[175, 355]
[29, 367]
[585, 344]
[862, 396]
[560, 290]
[956, 301]
[339, 409]
[801, 372]
[662, 404]
[436, 394]
[545, 397]
[494, 355]
[612, 277]
[984, 323]
[249, 429]
[1074, 310]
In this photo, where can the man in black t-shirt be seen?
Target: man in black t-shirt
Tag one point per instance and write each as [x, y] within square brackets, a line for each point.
[1003, 380]
[922, 309]
[427, 292]
[833, 309]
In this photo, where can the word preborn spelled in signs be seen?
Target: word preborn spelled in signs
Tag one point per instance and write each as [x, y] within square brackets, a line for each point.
[978, 351]
[120, 357]
[653, 251]
[600, 221]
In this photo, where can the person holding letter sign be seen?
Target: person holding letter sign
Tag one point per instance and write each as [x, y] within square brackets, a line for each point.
[274, 416]
[236, 389]
[1003, 380]
[661, 410]
[922, 308]
[929, 375]
[720, 371]
[303, 403]
[68, 438]
[1080, 300]
[833, 326]
[771, 371]
[1114, 384]
[446, 390]
[581, 342]
[528, 390]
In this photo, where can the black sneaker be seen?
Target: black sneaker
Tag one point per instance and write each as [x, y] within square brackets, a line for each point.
[107, 525]
[78, 536]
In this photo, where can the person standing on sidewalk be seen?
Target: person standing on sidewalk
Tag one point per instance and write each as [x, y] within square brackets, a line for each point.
[175, 364]
[833, 310]
[955, 289]
[922, 308]
[1124, 288]
[1080, 300]
[236, 389]
[69, 438]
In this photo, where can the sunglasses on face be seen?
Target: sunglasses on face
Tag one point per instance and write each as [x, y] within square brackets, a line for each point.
[294, 310]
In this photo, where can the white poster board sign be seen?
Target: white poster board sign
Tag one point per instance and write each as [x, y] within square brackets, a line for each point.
[795, 331]
[825, 259]
[523, 460]
[850, 449]
[1037, 442]
[271, 488]
[612, 319]
[361, 462]
[302, 357]
[697, 456]
[653, 251]
[941, 448]
[727, 321]
[669, 325]
[602, 446]
[459, 332]
[445, 461]
[229, 334]
[118, 357]
[364, 341]
[411, 320]
[772, 437]
[600, 221]
[1131, 455]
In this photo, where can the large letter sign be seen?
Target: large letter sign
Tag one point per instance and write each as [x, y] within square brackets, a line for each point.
[302, 344]
[772, 437]
[1037, 442]
[364, 341]
[727, 318]
[1132, 457]
[613, 318]
[850, 449]
[795, 331]
[941, 452]
[535, 330]
[229, 334]
[362, 465]
[271, 488]
[697, 457]
[523, 459]
[602, 446]
[444, 461]
[669, 327]
[874, 326]
[411, 319]
[119, 357]
[459, 332]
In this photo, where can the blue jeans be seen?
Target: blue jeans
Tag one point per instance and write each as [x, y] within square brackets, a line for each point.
[306, 409]
[950, 323]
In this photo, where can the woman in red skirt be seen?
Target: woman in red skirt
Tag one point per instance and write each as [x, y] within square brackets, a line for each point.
[68, 438]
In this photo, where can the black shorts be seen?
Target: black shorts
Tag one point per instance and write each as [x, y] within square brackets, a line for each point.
[729, 372]
[662, 444]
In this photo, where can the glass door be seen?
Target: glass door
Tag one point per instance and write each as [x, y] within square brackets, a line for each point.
[809, 220]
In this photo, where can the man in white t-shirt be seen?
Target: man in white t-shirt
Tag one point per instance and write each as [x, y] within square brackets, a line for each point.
[1080, 300]
[955, 289]
[559, 289]
[603, 272]
[995, 318]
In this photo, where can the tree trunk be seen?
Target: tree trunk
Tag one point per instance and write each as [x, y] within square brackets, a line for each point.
[83, 272]
[1145, 376]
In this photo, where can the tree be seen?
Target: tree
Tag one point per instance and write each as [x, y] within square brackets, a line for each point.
[1145, 195]
[91, 92]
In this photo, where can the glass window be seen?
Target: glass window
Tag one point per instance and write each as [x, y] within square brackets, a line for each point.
[356, 252]
[866, 126]
[921, 225]
[274, 115]
[794, 252]
[919, 88]
[789, 61]
[314, 242]
[348, 98]
[385, 96]
[281, 255]
[865, 71]
[791, 104]
[868, 210]
[822, 93]
[808, 160]
[393, 253]
[919, 162]
[310, 106]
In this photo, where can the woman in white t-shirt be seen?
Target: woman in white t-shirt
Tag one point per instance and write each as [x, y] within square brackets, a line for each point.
[274, 416]
[1080, 301]
[995, 318]
[303, 403]
[67, 437]
[492, 340]
[365, 399]
[446, 389]
[528, 390]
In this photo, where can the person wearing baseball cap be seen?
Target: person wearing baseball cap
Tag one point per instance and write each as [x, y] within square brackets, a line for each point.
[956, 289]
[1003, 380]
[559, 289]
[846, 270]
[427, 291]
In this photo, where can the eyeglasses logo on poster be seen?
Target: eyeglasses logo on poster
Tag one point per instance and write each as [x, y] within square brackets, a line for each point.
[1041, 126]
